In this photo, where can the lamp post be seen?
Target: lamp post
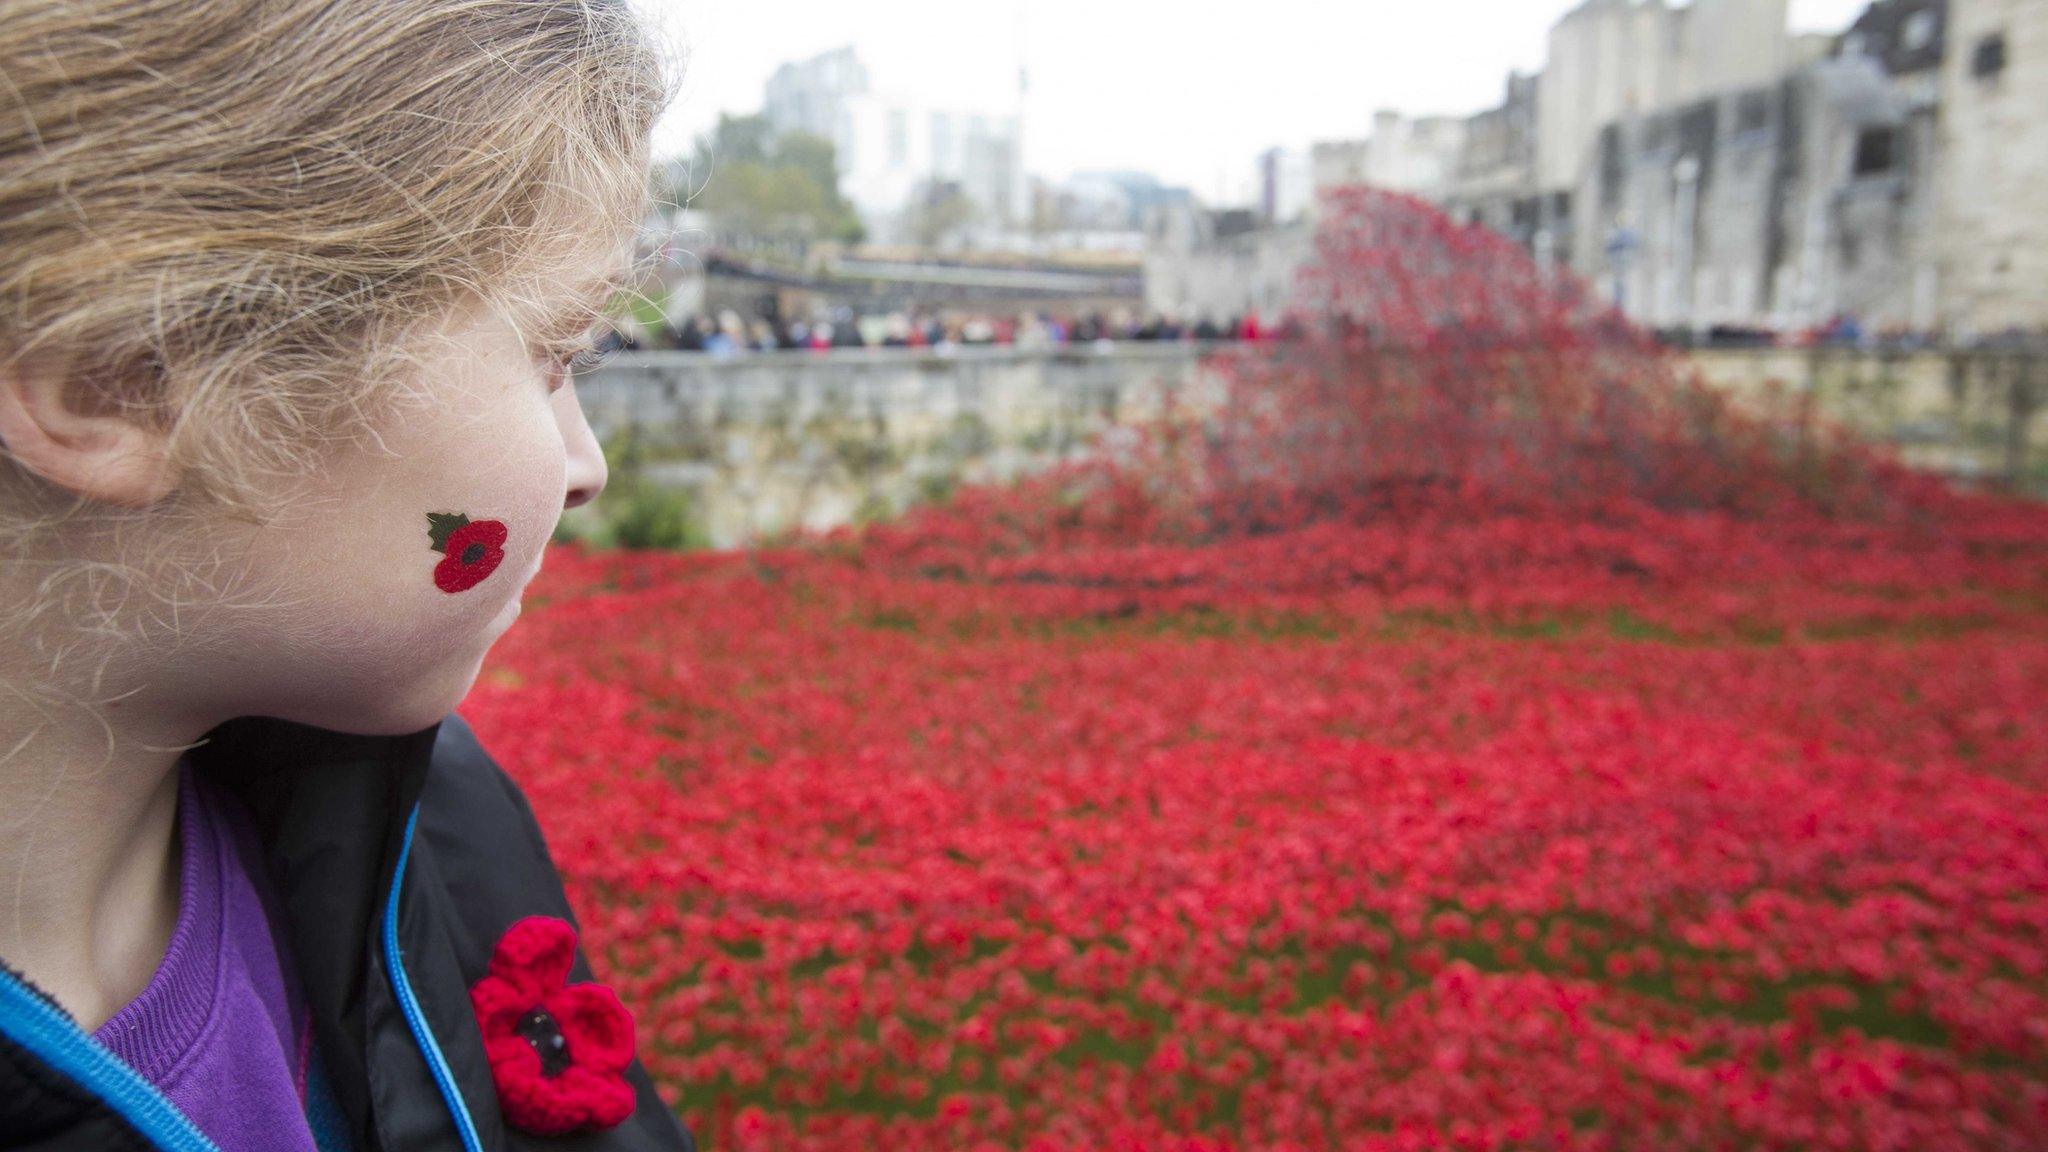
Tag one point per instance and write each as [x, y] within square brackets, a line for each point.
[1685, 177]
[1622, 243]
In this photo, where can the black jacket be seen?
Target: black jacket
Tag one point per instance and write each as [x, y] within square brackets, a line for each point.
[339, 816]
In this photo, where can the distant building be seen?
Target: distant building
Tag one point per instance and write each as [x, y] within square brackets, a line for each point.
[1613, 59]
[1334, 163]
[1494, 179]
[1418, 155]
[812, 95]
[1993, 216]
[890, 147]
[1787, 203]
[1286, 184]
[1118, 200]
[1097, 211]
[1702, 167]
[1220, 264]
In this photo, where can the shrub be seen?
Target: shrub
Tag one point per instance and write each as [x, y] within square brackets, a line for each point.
[650, 516]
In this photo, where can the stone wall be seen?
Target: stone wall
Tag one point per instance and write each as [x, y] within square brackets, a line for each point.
[1974, 415]
[770, 441]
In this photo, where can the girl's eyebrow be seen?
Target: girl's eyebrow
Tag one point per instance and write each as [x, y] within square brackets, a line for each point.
[573, 311]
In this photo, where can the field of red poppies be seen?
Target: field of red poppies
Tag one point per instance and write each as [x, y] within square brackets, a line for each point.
[1475, 740]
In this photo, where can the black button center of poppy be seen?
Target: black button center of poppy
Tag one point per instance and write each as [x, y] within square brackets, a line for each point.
[539, 1029]
[472, 554]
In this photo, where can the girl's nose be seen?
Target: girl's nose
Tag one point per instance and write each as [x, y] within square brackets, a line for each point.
[585, 472]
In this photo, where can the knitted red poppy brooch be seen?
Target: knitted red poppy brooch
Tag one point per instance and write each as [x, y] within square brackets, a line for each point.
[558, 1051]
[471, 549]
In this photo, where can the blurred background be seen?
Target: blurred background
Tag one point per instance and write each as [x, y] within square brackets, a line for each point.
[1362, 576]
[1729, 174]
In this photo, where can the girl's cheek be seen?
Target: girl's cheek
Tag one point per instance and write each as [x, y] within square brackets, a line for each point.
[418, 555]
[485, 543]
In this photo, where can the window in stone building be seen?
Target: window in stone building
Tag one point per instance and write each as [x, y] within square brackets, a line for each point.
[1613, 166]
[1657, 134]
[1989, 58]
[1877, 151]
[1753, 112]
[1919, 30]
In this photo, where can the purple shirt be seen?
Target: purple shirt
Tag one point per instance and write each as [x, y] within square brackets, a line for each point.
[220, 1029]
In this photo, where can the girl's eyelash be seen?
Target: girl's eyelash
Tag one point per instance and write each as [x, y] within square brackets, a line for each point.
[587, 354]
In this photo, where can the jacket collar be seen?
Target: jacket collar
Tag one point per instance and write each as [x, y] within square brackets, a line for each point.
[330, 810]
[270, 763]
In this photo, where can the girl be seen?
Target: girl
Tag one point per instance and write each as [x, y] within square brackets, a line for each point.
[290, 293]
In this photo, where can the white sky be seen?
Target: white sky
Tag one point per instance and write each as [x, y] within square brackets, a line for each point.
[1187, 91]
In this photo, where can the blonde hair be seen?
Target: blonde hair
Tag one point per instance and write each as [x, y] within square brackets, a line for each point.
[231, 216]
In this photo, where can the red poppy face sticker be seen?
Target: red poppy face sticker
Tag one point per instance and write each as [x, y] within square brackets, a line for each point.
[472, 549]
[558, 1051]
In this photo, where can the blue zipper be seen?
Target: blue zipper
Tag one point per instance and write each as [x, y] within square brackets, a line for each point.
[58, 1041]
[465, 1126]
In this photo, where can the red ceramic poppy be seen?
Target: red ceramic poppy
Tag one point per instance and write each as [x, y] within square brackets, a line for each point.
[473, 549]
[558, 1051]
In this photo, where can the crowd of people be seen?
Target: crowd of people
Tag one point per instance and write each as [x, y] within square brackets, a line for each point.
[729, 333]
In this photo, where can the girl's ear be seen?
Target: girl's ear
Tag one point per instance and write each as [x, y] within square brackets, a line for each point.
[55, 430]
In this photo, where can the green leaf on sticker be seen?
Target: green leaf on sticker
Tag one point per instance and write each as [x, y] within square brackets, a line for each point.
[440, 524]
